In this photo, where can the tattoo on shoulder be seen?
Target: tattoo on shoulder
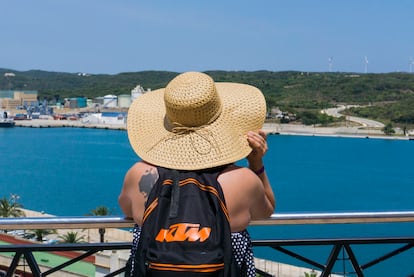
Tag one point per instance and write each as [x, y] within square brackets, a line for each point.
[147, 181]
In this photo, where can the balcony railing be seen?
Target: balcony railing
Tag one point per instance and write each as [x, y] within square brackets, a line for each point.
[90, 222]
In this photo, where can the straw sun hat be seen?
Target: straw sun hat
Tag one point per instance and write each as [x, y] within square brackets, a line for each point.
[195, 123]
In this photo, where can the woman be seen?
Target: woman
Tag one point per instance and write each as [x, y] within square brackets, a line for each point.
[196, 124]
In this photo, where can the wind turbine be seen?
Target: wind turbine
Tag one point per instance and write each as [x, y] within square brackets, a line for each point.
[411, 64]
[330, 61]
[366, 63]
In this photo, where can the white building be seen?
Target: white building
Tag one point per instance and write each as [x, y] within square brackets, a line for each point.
[110, 101]
[136, 92]
[124, 100]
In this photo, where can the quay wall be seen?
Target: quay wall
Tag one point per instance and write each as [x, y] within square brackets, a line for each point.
[269, 128]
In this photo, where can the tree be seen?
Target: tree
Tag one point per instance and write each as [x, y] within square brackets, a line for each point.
[72, 237]
[101, 211]
[315, 117]
[311, 274]
[41, 233]
[388, 129]
[10, 208]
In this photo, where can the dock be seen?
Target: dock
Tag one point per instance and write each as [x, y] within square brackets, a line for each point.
[51, 123]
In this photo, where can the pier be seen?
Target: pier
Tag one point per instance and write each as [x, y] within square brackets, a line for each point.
[50, 123]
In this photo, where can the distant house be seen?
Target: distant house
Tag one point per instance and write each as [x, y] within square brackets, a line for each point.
[275, 112]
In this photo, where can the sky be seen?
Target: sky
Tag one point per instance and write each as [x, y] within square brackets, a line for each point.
[115, 36]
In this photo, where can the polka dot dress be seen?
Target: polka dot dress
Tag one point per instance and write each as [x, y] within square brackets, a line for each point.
[136, 233]
[242, 251]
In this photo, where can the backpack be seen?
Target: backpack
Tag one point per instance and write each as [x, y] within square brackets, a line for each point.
[185, 230]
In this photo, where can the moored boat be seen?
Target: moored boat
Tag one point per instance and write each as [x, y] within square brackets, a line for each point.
[7, 122]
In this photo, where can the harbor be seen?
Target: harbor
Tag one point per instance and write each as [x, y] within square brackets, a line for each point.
[269, 128]
[110, 112]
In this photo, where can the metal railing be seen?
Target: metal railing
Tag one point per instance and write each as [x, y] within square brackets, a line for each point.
[91, 222]
[78, 222]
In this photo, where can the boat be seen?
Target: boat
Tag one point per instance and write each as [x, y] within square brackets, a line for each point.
[5, 121]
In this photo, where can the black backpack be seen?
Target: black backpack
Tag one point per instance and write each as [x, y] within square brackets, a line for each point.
[185, 230]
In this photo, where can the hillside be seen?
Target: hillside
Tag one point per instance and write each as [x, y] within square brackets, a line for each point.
[391, 95]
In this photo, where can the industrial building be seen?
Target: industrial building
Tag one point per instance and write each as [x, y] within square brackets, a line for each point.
[13, 99]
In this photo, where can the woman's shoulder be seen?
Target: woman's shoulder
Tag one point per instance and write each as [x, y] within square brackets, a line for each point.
[238, 170]
[142, 165]
[238, 174]
[140, 168]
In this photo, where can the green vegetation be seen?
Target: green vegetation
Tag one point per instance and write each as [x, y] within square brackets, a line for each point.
[311, 274]
[10, 208]
[387, 97]
[41, 233]
[399, 112]
[310, 117]
[72, 237]
[388, 129]
[100, 211]
[58, 85]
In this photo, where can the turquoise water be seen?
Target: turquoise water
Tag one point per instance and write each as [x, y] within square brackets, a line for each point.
[64, 171]
[70, 171]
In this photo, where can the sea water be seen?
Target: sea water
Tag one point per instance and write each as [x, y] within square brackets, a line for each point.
[64, 171]
[71, 171]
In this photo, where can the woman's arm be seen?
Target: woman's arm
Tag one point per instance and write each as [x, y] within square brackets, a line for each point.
[138, 182]
[259, 148]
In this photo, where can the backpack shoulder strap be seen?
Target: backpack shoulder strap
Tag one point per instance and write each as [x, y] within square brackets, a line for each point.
[231, 268]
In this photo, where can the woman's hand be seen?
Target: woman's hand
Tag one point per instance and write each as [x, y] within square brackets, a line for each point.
[258, 143]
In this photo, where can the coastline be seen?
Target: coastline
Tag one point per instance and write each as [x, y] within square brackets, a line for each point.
[269, 128]
[342, 131]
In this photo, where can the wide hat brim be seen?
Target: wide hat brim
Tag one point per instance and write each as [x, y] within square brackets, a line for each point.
[224, 141]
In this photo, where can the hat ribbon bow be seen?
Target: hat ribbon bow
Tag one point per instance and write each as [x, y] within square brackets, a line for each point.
[180, 130]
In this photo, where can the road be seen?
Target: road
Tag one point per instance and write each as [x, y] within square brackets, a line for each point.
[336, 112]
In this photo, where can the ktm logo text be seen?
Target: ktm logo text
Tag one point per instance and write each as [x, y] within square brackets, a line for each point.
[182, 232]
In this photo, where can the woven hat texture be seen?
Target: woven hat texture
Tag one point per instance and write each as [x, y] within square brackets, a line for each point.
[194, 123]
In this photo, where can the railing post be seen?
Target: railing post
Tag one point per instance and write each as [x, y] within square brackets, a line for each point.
[34, 267]
[102, 234]
[331, 260]
[14, 264]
